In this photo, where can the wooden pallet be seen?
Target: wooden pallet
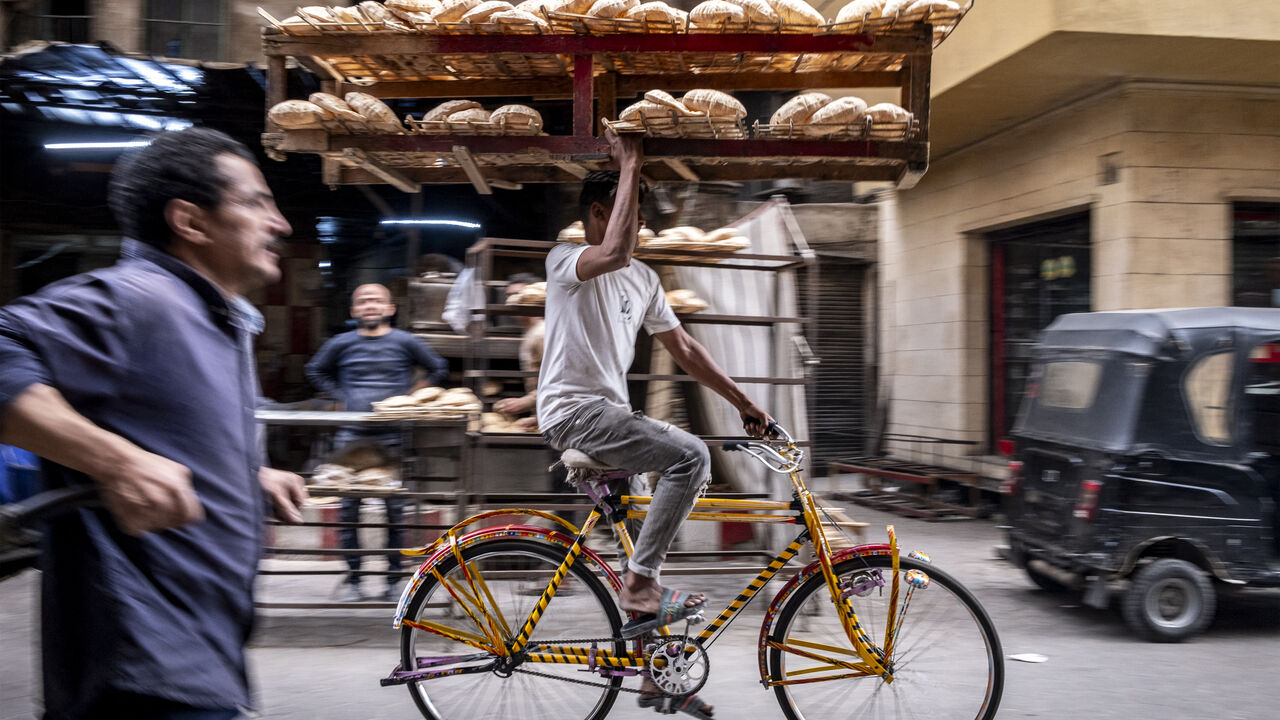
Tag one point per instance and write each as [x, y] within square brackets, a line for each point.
[918, 486]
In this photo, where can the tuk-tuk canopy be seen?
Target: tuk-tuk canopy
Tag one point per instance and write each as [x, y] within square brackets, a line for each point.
[1153, 333]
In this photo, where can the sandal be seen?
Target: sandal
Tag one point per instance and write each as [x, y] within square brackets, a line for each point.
[670, 705]
[670, 609]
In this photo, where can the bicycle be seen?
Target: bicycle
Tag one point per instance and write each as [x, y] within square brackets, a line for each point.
[864, 629]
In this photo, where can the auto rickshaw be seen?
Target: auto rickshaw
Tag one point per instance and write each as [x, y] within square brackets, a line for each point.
[1148, 457]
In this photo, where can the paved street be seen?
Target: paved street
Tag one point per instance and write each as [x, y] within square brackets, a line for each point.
[326, 664]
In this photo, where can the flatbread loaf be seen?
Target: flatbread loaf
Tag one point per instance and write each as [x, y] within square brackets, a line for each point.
[573, 232]
[654, 12]
[797, 12]
[573, 7]
[719, 234]
[757, 11]
[517, 16]
[317, 13]
[427, 394]
[430, 7]
[839, 112]
[688, 231]
[612, 8]
[857, 10]
[713, 103]
[476, 115]
[376, 11]
[447, 108]
[717, 12]
[453, 10]
[664, 98]
[337, 107]
[482, 12]
[799, 109]
[298, 115]
[926, 8]
[645, 109]
[349, 16]
[380, 117]
[892, 8]
[517, 119]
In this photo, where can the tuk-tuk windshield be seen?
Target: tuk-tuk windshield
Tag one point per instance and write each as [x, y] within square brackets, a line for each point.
[1090, 399]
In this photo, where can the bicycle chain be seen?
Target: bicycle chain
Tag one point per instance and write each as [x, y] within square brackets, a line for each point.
[575, 681]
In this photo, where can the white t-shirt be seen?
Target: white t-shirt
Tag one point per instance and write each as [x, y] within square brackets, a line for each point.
[591, 330]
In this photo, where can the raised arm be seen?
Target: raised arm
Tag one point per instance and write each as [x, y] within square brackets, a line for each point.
[694, 359]
[623, 226]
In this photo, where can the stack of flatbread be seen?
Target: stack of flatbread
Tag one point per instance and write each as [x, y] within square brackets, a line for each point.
[685, 301]
[494, 422]
[332, 475]
[700, 113]
[815, 114]
[687, 237]
[877, 15]
[531, 294]
[468, 117]
[358, 112]
[574, 233]
[754, 15]
[429, 402]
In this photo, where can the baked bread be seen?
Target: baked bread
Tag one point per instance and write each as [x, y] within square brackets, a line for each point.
[427, 394]
[350, 16]
[857, 10]
[664, 98]
[799, 109]
[447, 108]
[482, 12]
[713, 103]
[337, 107]
[470, 115]
[893, 8]
[611, 8]
[430, 7]
[757, 11]
[517, 120]
[716, 12]
[398, 401]
[380, 117]
[317, 13]
[453, 10]
[295, 25]
[797, 12]
[685, 301]
[832, 117]
[690, 232]
[573, 232]
[298, 114]
[516, 16]
[924, 9]
[654, 12]
[888, 121]
[645, 109]
[719, 234]
[376, 12]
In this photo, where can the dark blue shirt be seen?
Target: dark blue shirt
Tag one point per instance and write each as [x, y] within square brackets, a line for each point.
[362, 369]
[150, 350]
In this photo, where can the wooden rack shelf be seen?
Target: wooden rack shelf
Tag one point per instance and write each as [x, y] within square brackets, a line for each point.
[595, 72]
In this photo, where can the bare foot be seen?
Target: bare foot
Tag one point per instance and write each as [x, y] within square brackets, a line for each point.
[644, 595]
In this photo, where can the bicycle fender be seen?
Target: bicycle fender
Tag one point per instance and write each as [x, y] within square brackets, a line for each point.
[523, 531]
[815, 567]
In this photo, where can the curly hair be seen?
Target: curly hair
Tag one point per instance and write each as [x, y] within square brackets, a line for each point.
[175, 165]
[600, 186]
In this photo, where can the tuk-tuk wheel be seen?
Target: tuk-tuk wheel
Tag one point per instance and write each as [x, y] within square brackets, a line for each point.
[1169, 601]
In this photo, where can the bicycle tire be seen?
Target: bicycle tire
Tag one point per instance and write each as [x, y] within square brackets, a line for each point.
[583, 608]
[934, 679]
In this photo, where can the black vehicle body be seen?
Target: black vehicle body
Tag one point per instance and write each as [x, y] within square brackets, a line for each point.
[1146, 436]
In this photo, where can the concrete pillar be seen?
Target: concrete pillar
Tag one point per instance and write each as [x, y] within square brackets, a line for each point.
[119, 22]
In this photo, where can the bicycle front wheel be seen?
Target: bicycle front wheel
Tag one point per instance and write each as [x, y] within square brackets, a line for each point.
[509, 577]
[946, 656]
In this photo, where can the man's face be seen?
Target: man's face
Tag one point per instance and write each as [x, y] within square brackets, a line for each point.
[243, 229]
[371, 306]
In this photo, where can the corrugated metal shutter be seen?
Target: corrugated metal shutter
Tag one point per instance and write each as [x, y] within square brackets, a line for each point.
[838, 407]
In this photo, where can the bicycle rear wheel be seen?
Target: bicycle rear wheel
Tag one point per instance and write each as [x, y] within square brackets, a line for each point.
[947, 660]
[515, 572]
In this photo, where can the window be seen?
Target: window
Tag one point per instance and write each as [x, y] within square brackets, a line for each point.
[185, 28]
[1038, 272]
[1263, 395]
[1256, 255]
[64, 20]
[1207, 388]
[1070, 385]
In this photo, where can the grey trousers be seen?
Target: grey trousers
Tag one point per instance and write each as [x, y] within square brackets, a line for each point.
[636, 443]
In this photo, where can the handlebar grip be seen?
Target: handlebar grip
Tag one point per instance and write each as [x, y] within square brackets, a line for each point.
[735, 444]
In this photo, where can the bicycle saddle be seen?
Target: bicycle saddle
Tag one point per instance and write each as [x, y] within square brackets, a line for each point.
[579, 460]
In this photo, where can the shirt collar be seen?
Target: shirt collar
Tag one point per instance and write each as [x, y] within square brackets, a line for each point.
[237, 311]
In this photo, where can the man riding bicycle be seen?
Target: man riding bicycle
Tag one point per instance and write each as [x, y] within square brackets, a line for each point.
[598, 298]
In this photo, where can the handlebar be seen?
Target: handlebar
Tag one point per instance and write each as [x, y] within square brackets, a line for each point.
[767, 449]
